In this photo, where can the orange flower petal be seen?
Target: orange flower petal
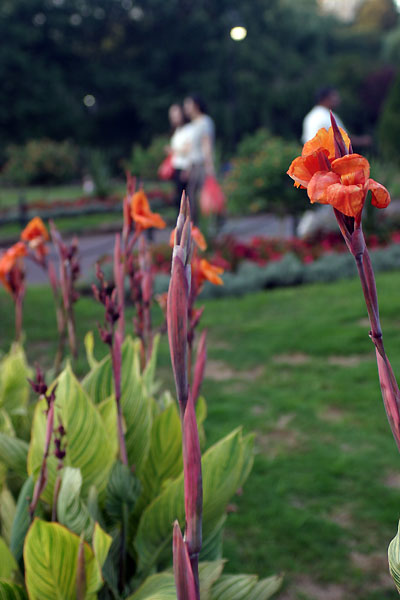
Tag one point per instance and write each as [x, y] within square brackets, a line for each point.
[353, 169]
[34, 230]
[324, 140]
[303, 167]
[199, 239]
[348, 199]
[210, 272]
[141, 213]
[319, 184]
[380, 196]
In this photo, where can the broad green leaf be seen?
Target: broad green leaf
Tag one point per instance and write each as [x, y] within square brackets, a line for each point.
[8, 565]
[122, 492]
[223, 468]
[11, 591]
[108, 412]
[7, 512]
[14, 387]
[156, 587]
[211, 549]
[150, 370]
[394, 558]
[265, 588]
[50, 556]
[6, 424]
[136, 403]
[233, 587]
[21, 519]
[13, 453]
[164, 460]
[101, 544]
[245, 587]
[209, 573]
[88, 341]
[89, 443]
[71, 510]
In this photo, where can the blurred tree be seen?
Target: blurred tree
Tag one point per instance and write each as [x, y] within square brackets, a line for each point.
[389, 124]
[376, 15]
[103, 72]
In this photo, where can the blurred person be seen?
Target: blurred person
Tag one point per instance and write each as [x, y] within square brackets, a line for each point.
[327, 99]
[179, 148]
[201, 148]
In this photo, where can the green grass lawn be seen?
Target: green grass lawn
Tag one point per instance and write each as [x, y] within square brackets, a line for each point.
[296, 367]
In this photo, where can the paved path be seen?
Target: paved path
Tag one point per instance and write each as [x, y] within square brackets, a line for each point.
[93, 247]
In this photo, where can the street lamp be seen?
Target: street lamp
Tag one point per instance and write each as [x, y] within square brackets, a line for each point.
[238, 33]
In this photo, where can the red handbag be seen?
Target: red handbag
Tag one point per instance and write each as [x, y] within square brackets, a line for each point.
[166, 170]
[212, 198]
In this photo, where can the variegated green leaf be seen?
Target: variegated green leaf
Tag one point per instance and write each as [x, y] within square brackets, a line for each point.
[13, 453]
[394, 558]
[7, 512]
[50, 556]
[90, 445]
[149, 372]
[21, 521]
[71, 510]
[135, 402]
[209, 573]
[8, 565]
[11, 591]
[88, 341]
[223, 469]
[164, 460]
[156, 587]
[245, 587]
[14, 387]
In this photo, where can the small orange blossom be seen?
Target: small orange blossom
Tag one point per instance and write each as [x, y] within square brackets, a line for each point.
[141, 212]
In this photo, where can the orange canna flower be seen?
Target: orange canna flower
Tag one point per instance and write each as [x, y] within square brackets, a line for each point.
[342, 182]
[205, 271]
[10, 260]
[197, 237]
[36, 234]
[141, 213]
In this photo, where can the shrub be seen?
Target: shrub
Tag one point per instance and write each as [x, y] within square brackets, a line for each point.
[145, 161]
[41, 161]
[258, 180]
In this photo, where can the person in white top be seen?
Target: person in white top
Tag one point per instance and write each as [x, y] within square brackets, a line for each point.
[327, 99]
[321, 218]
[179, 148]
[201, 148]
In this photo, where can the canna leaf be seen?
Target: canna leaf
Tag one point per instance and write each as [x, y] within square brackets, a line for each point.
[90, 445]
[13, 453]
[209, 573]
[51, 558]
[71, 510]
[8, 565]
[11, 591]
[7, 512]
[136, 404]
[245, 587]
[14, 387]
[223, 467]
[21, 521]
[122, 492]
[156, 587]
[164, 460]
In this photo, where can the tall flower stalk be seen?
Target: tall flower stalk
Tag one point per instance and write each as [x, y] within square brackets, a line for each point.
[185, 550]
[111, 334]
[333, 174]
